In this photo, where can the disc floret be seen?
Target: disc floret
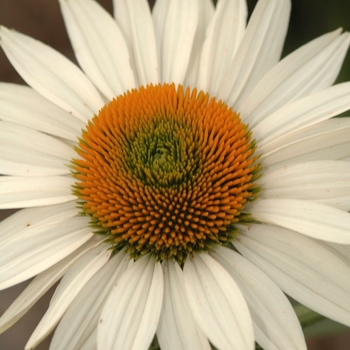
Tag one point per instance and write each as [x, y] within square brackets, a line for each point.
[165, 172]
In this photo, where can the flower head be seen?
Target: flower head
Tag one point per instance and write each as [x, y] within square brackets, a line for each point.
[165, 172]
[181, 183]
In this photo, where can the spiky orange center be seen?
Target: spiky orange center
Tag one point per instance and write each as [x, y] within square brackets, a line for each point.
[165, 172]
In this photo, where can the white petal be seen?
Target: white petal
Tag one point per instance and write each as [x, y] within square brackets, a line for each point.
[175, 30]
[81, 318]
[342, 203]
[304, 269]
[21, 192]
[259, 51]
[22, 105]
[40, 285]
[19, 161]
[325, 127]
[135, 21]
[27, 152]
[99, 46]
[276, 325]
[311, 68]
[51, 74]
[72, 282]
[130, 316]
[41, 246]
[314, 181]
[177, 329]
[91, 342]
[310, 110]
[217, 304]
[14, 227]
[206, 12]
[341, 249]
[326, 140]
[312, 219]
[18, 135]
[222, 40]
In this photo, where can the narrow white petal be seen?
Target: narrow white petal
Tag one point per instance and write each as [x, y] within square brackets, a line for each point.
[130, 316]
[259, 51]
[41, 246]
[312, 219]
[303, 173]
[217, 304]
[318, 180]
[22, 105]
[303, 268]
[342, 203]
[342, 249]
[326, 140]
[175, 30]
[99, 46]
[91, 342]
[27, 152]
[276, 325]
[177, 329]
[40, 285]
[206, 13]
[309, 110]
[297, 75]
[13, 228]
[135, 21]
[223, 37]
[19, 161]
[81, 318]
[321, 128]
[22, 192]
[51, 74]
[25, 137]
[72, 282]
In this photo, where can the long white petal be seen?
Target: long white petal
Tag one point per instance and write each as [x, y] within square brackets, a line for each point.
[72, 282]
[316, 181]
[51, 74]
[206, 13]
[342, 249]
[321, 128]
[42, 246]
[259, 51]
[276, 325]
[18, 135]
[217, 304]
[309, 110]
[19, 161]
[40, 285]
[303, 268]
[13, 228]
[177, 329]
[222, 40]
[22, 192]
[312, 219]
[22, 105]
[326, 140]
[27, 152]
[99, 46]
[135, 21]
[91, 342]
[175, 34]
[81, 318]
[297, 75]
[130, 316]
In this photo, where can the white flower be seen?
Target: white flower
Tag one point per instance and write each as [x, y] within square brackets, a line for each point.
[222, 279]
